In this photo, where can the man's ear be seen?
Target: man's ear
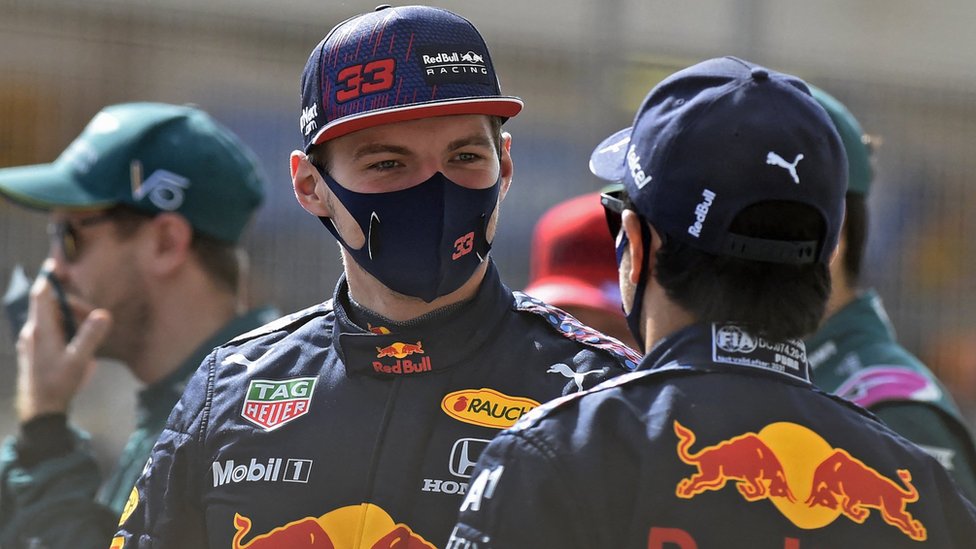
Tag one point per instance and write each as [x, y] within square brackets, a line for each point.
[169, 239]
[631, 224]
[308, 185]
[506, 167]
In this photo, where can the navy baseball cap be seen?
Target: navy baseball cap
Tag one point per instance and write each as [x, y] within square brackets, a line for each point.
[856, 142]
[154, 157]
[718, 137]
[396, 64]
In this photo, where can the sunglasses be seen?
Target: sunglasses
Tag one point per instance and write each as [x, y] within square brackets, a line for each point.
[614, 201]
[64, 234]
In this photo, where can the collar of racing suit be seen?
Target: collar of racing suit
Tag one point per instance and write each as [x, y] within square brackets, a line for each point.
[727, 347]
[439, 341]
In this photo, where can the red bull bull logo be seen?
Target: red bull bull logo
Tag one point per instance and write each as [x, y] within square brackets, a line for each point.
[402, 364]
[363, 526]
[808, 481]
[399, 350]
[745, 460]
[486, 407]
[843, 482]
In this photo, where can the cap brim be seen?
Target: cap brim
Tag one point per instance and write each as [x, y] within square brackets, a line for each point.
[505, 107]
[609, 158]
[563, 292]
[45, 186]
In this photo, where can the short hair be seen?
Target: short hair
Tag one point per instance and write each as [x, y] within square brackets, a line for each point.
[856, 233]
[776, 300]
[318, 154]
[218, 258]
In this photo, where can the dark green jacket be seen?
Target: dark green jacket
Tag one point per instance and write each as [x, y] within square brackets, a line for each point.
[61, 501]
[855, 355]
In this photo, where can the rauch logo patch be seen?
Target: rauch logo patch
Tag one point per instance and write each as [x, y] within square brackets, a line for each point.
[271, 404]
[486, 407]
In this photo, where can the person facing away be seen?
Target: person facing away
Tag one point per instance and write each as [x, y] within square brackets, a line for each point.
[855, 353]
[146, 209]
[572, 265]
[356, 422]
[732, 201]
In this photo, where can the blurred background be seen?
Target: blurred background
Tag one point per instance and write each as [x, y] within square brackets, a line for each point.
[906, 69]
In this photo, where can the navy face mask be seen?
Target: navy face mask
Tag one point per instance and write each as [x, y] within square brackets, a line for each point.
[424, 241]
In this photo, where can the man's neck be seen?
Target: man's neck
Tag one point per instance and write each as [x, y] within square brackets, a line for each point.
[371, 294]
[662, 316]
[182, 322]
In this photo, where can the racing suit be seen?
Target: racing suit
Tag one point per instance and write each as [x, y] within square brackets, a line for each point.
[314, 432]
[855, 355]
[718, 440]
[51, 502]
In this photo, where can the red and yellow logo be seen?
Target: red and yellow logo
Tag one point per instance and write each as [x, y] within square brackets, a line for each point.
[400, 350]
[809, 482]
[363, 526]
[402, 364]
[486, 407]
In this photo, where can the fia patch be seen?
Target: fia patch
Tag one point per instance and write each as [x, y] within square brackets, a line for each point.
[732, 344]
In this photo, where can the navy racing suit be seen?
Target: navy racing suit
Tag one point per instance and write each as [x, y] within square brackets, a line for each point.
[719, 440]
[314, 432]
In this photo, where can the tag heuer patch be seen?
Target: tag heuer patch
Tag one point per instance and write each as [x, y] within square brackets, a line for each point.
[271, 404]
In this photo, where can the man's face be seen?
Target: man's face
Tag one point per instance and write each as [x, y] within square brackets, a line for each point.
[401, 155]
[100, 268]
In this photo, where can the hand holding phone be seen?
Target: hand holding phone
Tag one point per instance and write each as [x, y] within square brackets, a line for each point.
[67, 316]
[53, 358]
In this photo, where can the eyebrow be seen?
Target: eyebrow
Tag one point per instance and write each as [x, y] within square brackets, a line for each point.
[477, 140]
[378, 148]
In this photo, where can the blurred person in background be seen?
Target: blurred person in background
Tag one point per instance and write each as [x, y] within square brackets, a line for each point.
[356, 422]
[731, 204]
[572, 265]
[854, 354]
[146, 210]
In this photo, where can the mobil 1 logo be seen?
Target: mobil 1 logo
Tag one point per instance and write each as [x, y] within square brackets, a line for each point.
[275, 469]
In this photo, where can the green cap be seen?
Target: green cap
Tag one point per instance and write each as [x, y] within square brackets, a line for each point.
[154, 157]
[859, 171]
